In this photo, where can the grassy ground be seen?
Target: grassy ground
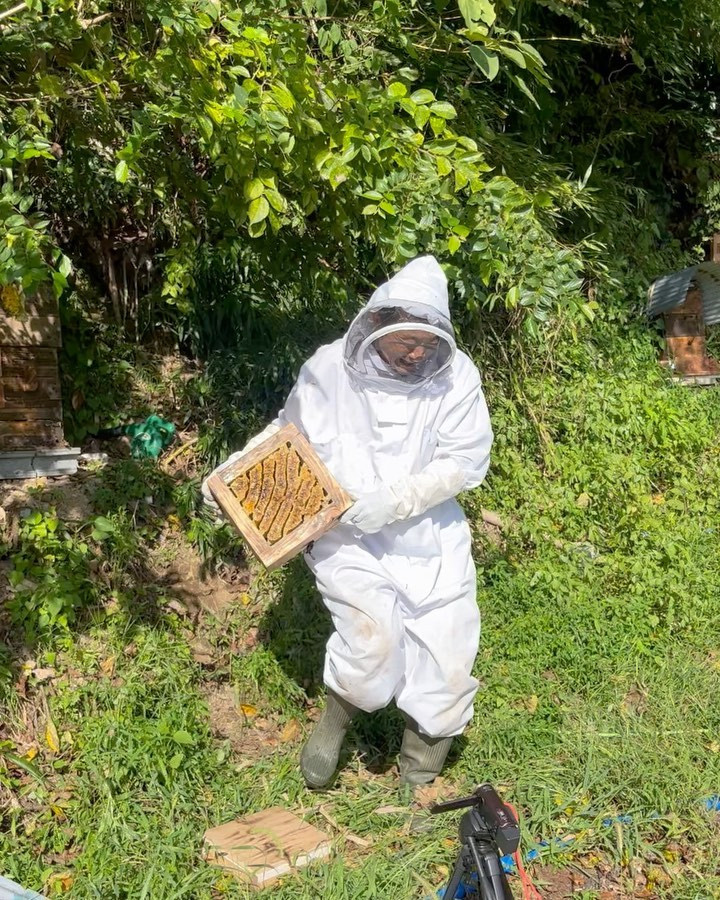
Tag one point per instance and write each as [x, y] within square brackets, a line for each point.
[154, 699]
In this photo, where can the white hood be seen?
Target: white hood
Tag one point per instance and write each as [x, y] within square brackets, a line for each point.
[420, 281]
[413, 300]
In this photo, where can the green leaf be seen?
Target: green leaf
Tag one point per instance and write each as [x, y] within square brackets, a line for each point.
[422, 114]
[514, 54]
[396, 90]
[258, 211]
[65, 266]
[488, 63]
[253, 189]
[176, 761]
[453, 243]
[524, 88]
[122, 171]
[422, 96]
[474, 11]
[103, 524]
[283, 96]
[276, 200]
[444, 110]
[184, 738]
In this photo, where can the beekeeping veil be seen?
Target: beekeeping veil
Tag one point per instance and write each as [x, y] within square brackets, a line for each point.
[403, 337]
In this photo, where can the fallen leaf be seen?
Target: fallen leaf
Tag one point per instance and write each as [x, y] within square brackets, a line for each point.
[391, 811]
[77, 399]
[51, 736]
[657, 499]
[583, 501]
[248, 711]
[41, 675]
[531, 704]
[202, 651]
[290, 732]
[58, 813]
[714, 747]
[634, 702]
[60, 880]
[107, 666]
[245, 599]
[362, 843]
[430, 794]
[31, 754]
[177, 607]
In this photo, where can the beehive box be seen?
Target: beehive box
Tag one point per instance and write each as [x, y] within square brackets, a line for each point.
[280, 497]
[264, 846]
[30, 407]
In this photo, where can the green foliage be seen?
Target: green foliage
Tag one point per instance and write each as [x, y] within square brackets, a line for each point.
[50, 577]
[598, 663]
[227, 124]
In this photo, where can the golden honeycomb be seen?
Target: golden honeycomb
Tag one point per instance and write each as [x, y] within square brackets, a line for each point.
[280, 493]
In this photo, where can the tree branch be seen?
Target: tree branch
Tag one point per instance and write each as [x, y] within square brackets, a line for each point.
[12, 11]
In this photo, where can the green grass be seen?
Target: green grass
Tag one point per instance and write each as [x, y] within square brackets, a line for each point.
[600, 670]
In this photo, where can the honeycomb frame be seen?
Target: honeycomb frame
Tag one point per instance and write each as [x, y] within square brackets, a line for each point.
[280, 497]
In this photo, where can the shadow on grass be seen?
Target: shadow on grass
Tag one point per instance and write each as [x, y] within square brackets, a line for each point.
[74, 548]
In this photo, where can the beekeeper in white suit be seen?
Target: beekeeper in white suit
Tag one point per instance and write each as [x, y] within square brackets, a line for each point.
[397, 414]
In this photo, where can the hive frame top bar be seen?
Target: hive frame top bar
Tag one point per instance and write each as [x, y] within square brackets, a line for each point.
[276, 554]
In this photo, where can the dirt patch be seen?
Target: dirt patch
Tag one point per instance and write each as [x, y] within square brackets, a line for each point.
[67, 495]
[251, 737]
[179, 569]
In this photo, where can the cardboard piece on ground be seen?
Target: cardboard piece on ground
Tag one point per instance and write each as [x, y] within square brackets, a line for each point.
[260, 848]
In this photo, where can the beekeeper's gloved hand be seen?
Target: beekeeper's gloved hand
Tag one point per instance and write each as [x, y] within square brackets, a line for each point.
[409, 497]
[208, 498]
[372, 511]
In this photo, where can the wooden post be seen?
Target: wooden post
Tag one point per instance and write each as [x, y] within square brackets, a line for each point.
[715, 247]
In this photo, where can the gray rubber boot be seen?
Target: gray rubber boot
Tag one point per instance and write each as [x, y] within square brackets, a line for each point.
[421, 757]
[320, 755]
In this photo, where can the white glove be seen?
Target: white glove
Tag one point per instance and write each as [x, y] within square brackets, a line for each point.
[409, 497]
[208, 498]
[372, 511]
[438, 481]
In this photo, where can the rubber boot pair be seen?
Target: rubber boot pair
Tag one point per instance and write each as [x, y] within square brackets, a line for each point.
[421, 757]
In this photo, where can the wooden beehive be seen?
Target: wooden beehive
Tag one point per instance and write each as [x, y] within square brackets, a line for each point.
[685, 338]
[280, 497]
[30, 405]
[265, 846]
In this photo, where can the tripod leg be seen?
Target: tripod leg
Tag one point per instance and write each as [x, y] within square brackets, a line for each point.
[492, 882]
[457, 875]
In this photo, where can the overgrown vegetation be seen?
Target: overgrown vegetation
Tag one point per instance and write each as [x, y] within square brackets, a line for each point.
[212, 189]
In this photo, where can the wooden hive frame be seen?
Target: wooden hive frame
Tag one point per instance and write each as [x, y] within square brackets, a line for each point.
[273, 554]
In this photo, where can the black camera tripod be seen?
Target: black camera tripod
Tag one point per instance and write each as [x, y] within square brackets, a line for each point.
[487, 831]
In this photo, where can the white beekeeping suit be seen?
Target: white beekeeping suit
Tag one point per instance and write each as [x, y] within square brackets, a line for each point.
[397, 414]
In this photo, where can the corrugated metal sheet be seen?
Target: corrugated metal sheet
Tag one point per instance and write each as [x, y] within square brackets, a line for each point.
[708, 277]
[670, 291]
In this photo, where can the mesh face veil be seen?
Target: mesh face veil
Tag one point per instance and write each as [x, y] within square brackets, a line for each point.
[406, 343]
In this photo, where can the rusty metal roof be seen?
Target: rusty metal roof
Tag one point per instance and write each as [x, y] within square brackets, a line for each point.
[670, 291]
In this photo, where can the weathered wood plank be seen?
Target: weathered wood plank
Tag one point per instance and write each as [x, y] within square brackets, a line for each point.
[21, 390]
[50, 411]
[30, 435]
[14, 359]
[33, 331]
